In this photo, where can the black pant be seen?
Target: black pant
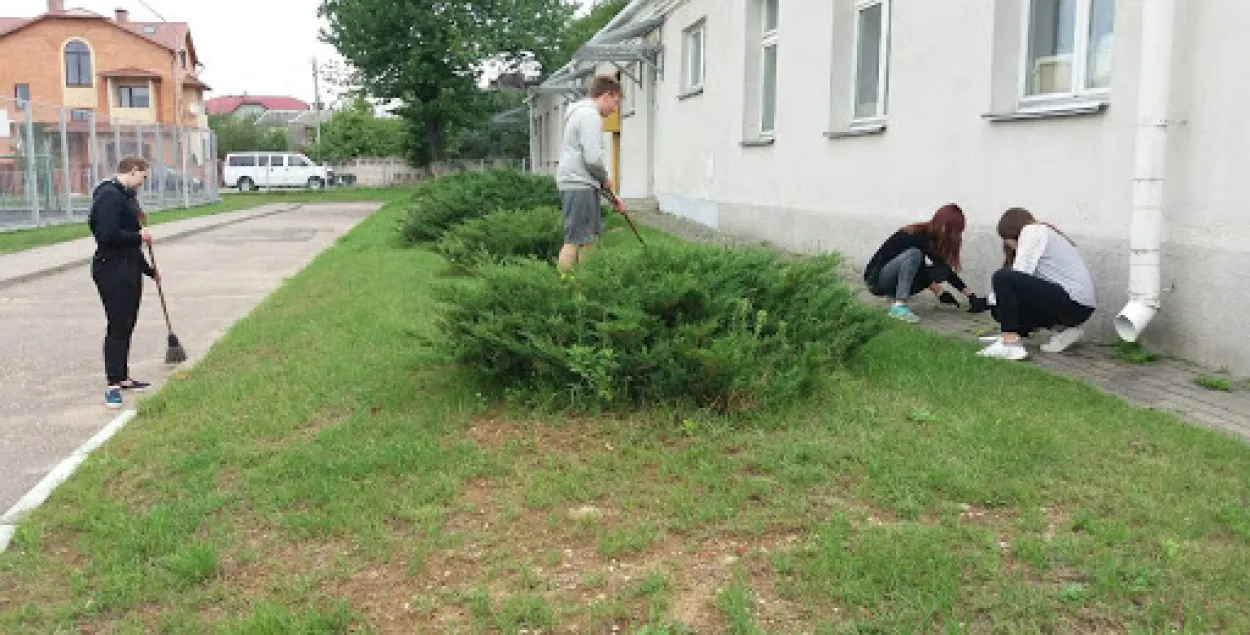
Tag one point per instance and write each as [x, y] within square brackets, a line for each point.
[1025, 303]
[119, 279]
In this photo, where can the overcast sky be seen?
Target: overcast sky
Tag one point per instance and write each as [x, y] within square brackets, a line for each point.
[263, 47]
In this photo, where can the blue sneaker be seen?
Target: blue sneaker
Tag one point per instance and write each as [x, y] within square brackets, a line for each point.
[113, 398]
[902, 313]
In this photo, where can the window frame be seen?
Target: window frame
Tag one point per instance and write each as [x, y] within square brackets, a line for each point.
[883, 62]
[81, 57]
[769, 38]
[129, 89]
[1078, 87]
[695, 32]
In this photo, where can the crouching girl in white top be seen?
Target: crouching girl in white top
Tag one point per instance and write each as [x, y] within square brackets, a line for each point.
[1044, 284]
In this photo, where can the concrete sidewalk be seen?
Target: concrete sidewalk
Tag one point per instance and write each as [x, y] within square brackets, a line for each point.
[1167, 385]
[216, 269]
[32, 264]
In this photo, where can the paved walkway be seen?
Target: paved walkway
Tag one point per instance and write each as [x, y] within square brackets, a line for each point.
[1167, 385]
[216, 268]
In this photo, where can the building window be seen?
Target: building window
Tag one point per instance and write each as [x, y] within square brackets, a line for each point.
[872, 58]
[134, 97]
[78, 65]
[80, 115]
[182, 56]
[22, 93]
[1068, 47]
[694, 44]
[768, 67]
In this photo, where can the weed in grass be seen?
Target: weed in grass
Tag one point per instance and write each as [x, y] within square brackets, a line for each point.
[267, 618]
[524, 612]
[1134, 353]
[735, 603]
[665, 629]
[1219, 384]
[657, 589]
[627, 539]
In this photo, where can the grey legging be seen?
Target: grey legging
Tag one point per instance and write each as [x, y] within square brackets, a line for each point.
[907, 274]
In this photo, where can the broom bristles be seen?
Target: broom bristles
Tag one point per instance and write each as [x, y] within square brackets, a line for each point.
[174, 353]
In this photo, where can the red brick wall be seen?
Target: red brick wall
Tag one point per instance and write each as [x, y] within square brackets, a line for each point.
[34, 56]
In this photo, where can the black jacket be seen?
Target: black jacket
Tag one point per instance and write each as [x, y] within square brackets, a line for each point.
[114, 221]
[901, 241]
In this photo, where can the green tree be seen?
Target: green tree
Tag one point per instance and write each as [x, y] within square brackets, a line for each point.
[355, 132]
[430, 54]
[241, 134]
[582, 29]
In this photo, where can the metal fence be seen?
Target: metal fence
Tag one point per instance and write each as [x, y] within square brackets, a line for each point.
[52, 157]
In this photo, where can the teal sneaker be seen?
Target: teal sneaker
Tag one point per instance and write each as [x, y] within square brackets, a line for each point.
[113, 398]
[903, 313]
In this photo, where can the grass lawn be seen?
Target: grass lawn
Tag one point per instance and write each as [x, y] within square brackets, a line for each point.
[23, 239]
[320, 472]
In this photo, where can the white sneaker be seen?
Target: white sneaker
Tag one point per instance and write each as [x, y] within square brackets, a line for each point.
[1059, 342]
[1010, 352]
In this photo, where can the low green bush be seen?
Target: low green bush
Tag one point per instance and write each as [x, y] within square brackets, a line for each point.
[448, 201]
[535, 233]
[688, 325]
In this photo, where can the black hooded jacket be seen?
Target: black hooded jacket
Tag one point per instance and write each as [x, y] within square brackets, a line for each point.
[114, 221]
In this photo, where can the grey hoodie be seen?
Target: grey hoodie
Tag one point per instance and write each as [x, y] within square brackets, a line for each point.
[582, 162]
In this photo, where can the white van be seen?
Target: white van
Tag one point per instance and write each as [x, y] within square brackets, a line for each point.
[249, 171]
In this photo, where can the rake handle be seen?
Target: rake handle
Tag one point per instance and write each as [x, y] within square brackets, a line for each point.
[620, 209]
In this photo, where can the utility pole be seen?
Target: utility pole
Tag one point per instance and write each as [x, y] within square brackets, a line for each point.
[317, 102]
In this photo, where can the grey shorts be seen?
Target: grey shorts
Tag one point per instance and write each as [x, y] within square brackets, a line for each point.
[583, 219]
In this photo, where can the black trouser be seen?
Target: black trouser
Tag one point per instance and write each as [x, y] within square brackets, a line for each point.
[906, 275]
[1025, 303]
[119, 279]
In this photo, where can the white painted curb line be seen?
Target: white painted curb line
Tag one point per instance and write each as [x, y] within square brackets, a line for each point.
[41, 491]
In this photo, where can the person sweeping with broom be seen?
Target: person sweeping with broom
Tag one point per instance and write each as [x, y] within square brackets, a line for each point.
[117, 268]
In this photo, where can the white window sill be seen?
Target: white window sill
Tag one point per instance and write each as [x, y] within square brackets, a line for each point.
[859, 129]
[693, 92]
[761, 142]
[1051, 110]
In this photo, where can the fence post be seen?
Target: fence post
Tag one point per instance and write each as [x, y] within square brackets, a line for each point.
[159, 164]
[211, 159]
[117, 142]
[94, 152]
[65, 176]
[182, 150]
[32, 178]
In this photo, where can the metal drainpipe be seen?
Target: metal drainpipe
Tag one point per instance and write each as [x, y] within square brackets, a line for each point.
[1146, 237]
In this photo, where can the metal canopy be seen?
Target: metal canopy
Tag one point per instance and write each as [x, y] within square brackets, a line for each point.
[617, 53]
[610, 47]
[638, 29]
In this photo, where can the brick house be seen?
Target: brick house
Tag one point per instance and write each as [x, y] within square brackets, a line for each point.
[253, 105]
[108, 74]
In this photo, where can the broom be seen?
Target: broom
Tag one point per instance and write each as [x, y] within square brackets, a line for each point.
[174, 353]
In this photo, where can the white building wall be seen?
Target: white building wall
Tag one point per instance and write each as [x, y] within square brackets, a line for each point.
[951, 62]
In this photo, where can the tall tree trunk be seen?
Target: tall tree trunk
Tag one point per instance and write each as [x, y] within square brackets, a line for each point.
[435, 137]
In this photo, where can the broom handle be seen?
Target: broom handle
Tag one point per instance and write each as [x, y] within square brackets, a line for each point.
[159, 291]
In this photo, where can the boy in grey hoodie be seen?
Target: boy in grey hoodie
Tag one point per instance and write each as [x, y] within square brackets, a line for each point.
[583, 171]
